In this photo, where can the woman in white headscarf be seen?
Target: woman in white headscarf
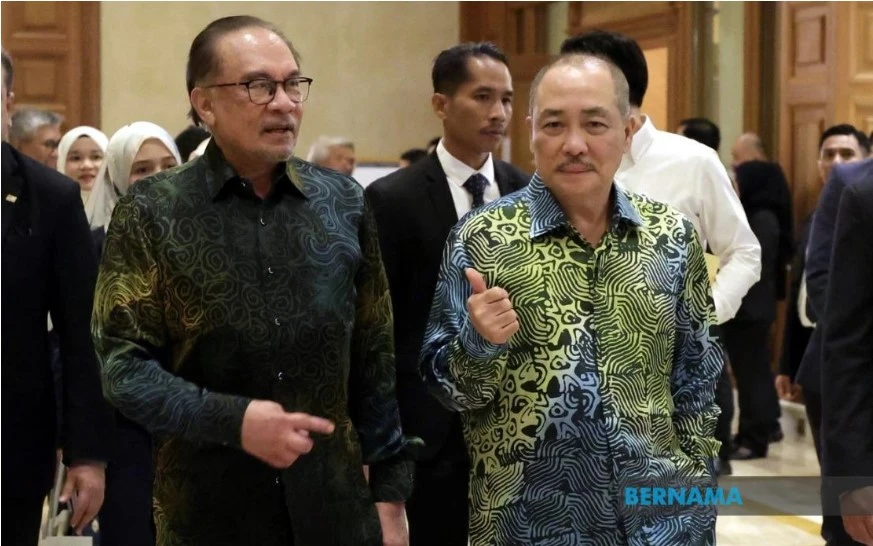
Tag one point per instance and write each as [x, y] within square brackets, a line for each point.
[80, 156]
[135, 151]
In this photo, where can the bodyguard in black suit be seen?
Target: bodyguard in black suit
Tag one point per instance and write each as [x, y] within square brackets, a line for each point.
[48, 265]
[415, 208]
[818, 279]
[847, 358]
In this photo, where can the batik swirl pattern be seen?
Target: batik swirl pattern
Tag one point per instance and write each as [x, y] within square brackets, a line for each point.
[209, 297]
[608, 383]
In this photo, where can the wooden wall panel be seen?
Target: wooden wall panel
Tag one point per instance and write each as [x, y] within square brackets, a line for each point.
[807, 70]
[520, 29]
[653, 25]
[55, 48]
[854, 64]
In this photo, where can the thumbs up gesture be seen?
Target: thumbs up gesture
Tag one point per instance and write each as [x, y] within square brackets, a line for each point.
[490, 310]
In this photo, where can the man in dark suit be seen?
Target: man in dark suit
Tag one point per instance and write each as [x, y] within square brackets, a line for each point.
[818, 271]
[48, 265]
[415, 208]
[847, 359]
[838, 144]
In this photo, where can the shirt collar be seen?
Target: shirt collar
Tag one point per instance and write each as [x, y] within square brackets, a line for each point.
[642, 140]
[547, 215]
[221, 177]
[458, 172]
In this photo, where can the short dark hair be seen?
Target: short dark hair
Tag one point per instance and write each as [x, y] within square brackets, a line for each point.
[189, 139]
[619, 50]
[848, 130]
[450, 69]
[202, 59]
[702, 130]
[413, 154]
[7, 71]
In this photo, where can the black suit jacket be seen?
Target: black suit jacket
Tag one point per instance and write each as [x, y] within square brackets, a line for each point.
[847, 368]
[414, 213]
[818, 260]
[796, 336]
[759, 303]
[48, 265]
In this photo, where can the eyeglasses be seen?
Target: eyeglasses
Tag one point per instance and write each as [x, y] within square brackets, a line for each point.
[263, 91]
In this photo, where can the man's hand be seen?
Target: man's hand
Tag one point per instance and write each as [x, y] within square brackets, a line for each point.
[85, 485]
[276, 437]
[490, 310]
[786, 389]
[860, 528]
[857, 509]
[395, 529]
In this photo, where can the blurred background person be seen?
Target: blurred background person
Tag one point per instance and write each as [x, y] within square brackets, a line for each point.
[36, 133]
[335, 153]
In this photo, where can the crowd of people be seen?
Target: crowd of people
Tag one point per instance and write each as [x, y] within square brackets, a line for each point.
[225, 343]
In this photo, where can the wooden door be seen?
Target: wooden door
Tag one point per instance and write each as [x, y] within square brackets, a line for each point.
[665, 32]
[854, 80]
[807, 59]
[520, 30]
[55, 50]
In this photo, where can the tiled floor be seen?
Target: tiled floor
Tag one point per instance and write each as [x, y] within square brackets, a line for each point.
[794, 456]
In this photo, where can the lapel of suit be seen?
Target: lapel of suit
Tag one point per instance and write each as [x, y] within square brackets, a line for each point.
[12, 184]
[439, 192]
[501, 178]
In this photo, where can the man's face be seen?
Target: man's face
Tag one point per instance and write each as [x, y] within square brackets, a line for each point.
[43, 146]
[477, 114]
[341, 158]
[837, 149]
[741, 153]
[264, 133]
[578, 135]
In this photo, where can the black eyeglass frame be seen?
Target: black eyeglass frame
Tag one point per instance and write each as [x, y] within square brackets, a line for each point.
[274, 84]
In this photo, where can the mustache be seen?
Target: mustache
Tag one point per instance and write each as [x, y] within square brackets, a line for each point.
[280, 125]
[573, 161]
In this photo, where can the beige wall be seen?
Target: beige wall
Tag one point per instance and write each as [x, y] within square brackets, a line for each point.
[729, 37]
[370, 61]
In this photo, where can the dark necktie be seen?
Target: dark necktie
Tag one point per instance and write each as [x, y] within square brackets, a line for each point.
[476, 186]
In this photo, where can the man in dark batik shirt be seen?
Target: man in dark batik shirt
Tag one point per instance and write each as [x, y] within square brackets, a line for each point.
[242, 315]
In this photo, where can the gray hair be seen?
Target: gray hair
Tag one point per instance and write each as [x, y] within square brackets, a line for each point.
[622, 92]
[320, 149]
[26, 121]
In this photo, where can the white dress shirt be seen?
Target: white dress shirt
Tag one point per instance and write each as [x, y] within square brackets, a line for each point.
[457, 172]
[689, 176]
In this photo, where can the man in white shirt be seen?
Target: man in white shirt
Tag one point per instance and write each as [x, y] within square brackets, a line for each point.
[689, 177]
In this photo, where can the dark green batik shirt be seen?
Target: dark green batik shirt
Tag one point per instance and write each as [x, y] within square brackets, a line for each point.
[209, 297]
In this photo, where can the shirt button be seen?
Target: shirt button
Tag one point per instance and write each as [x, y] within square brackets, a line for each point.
[281, 376]
[278, 480]
[243, 183]
[277, 322]
[263, 222]
[269, 271]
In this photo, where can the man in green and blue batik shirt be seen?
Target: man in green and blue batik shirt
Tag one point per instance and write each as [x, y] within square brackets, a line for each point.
[242, 315]
[571, 326]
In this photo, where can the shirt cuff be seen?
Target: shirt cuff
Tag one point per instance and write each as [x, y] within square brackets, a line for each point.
[477, 347]
[858, 502]
[391, 480]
